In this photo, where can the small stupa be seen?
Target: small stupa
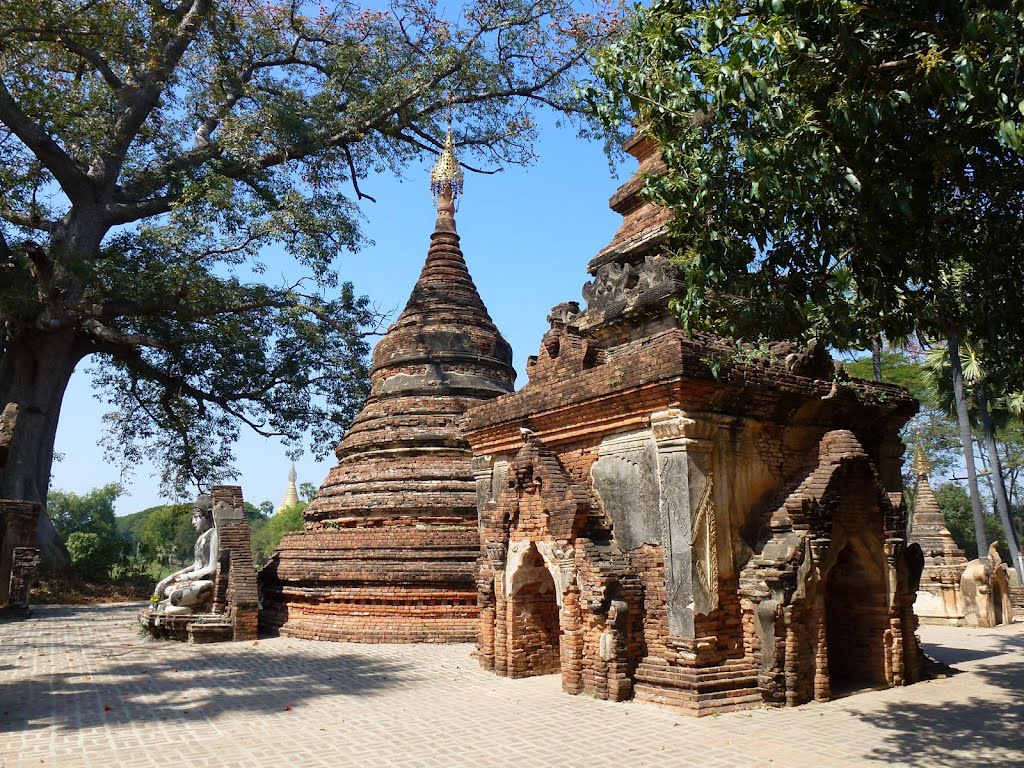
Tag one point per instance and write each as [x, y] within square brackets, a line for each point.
[938, 599]
[390, 544]
[291, 494]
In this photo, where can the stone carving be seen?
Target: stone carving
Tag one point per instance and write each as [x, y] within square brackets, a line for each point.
[811, 360]
[496, 557]
[564, 313]
[625, 479]
[191, 589]
[704, 533]
[985, 588]
[615, 282]
[688, 515]
[561, 564]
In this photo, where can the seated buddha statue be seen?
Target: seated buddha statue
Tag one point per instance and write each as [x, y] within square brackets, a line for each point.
[191, 587]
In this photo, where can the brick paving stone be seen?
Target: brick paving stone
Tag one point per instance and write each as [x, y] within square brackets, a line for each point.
[294, 703]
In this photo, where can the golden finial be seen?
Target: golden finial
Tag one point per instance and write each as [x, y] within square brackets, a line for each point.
[921, 466]
[447, 175]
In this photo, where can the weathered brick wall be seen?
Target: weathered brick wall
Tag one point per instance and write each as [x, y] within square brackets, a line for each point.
[390, 546]
[236, 590]
[404, 580]
[18, 521]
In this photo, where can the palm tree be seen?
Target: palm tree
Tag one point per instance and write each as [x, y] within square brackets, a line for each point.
[950, 376]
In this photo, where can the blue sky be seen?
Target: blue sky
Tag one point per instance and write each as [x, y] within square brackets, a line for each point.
[527, 234]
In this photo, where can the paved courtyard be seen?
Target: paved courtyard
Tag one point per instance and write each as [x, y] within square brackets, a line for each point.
[79, 687]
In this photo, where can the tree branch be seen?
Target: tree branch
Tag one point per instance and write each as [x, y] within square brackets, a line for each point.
[145, 99]
[108, 335]
[355, 180]
[72, 179]
[27, 221]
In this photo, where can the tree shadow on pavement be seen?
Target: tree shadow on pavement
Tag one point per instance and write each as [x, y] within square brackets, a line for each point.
[132, 681]
[969, 733]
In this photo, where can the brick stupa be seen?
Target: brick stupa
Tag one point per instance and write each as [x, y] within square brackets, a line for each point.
[390, 544]
[938, 598]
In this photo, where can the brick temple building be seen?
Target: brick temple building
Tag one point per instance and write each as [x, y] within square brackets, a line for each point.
[675, 518]
[684, 520]
[390, 546]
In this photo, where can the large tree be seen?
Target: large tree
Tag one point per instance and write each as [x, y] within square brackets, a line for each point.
[837, 168]
[152, 150]
[840, 169]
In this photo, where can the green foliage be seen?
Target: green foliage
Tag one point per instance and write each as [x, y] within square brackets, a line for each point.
[932, 427]
[956, 510]
[157, 155]
[307, 491]
[253, 514]
[266, 539]
[87, 524]
[835, 169]
[167, 535]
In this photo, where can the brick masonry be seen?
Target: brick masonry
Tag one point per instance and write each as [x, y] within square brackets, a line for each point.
[389, 548]
[19, 557]
[685, 520]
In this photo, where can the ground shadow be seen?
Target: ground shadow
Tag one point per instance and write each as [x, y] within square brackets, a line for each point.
[141, 682]
[969, 734]
[952, 655]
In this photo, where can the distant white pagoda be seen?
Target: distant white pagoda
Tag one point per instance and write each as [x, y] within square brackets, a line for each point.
[291, 495]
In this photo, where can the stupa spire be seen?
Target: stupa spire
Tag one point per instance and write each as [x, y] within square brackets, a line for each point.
[921, 465]
[446, 186]
[291, 494]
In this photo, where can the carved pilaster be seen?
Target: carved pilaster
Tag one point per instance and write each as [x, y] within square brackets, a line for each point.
[689, 526]
[496, 557]
[562, 566]
[482, 474]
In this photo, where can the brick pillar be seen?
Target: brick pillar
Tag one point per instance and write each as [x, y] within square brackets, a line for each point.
[18, 521]
[688, 521]
[499, 633]
[241, 597]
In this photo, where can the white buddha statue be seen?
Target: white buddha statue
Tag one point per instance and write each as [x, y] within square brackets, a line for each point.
[190, 587]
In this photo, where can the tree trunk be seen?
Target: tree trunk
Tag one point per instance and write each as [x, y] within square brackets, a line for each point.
[964, 420]
[999, 485]
[34, 372]
[876, 358]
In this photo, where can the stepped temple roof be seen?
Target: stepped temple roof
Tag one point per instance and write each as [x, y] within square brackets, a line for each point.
[389, 549]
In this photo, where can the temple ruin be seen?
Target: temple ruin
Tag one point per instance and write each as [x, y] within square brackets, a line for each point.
[19, 555]
[938, 600]
[683, 519]
[216, 599]
[678, 518]
[390, 544]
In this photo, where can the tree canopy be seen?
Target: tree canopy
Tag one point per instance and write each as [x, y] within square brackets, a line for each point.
[87, 523]
[151, 151]
[836, 168]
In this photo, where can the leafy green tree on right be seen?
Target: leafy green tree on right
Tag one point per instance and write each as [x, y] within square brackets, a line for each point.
[837, 169]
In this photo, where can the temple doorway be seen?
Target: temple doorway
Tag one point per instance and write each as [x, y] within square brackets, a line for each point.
[533, 620]
[856, 617]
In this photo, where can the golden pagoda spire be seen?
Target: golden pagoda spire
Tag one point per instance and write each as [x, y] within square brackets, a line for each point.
[291, 494]
[446, 177]
[921, 465]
